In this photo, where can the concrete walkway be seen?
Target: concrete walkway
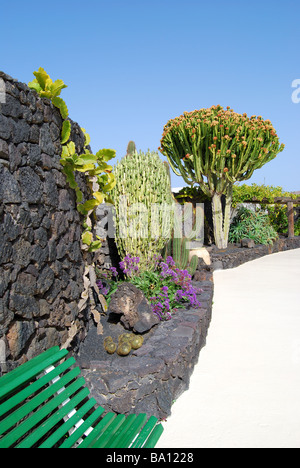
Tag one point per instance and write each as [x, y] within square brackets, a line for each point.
[245, 389]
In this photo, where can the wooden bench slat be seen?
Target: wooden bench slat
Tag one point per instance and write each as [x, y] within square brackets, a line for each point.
[154, 437]
[69, 424]
[35, 402]
[120, 432]
[78, 433]
[145, 433]
[35, 386]
[54, 419]
[105, 437]
[43, 411]
[30, 369]
[98, 430]
[45, 402]
[132, 432]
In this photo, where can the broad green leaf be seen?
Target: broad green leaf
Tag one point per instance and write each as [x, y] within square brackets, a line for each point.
[87, 158]
[79, 195]
[99, 196]
[87, 238]
[109, 186]
[94, 246]
[106, 154]
[45, 94]
[70, 176]
[85, 168]
[71, 148]
[90, 205]
[87, 137]
[35, 85]
[42, 77]
[61, 105]
[65, 132]
[57, 87]
[65, 152]
[105, 167]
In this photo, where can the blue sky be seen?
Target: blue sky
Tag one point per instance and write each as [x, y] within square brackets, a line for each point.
[131, 65]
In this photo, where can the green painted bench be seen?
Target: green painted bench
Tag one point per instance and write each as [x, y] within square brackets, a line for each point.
[44, 403]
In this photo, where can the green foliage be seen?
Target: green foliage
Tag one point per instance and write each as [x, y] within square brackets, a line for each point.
[142, 186]
[252, 225]
[264, 193]
[95, 167]
[46, 88]
[242, 193]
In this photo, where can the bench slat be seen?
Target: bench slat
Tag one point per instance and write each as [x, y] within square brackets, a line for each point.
[68, 443]
[69, 424]
[145, 433]
[54, 419]
[42, 412]
[35, 402]
[35, 386]
[110, 432]
[132, 431]
[120, 432]
[45, 402]
[30, 369]
[98, 430]
[154, 437]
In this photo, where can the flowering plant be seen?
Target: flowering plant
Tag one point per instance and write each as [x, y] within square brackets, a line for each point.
[167, 288]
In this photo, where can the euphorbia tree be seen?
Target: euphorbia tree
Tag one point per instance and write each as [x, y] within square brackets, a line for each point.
[216, 148]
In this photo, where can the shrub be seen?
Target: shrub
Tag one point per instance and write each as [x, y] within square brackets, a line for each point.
[252, 225]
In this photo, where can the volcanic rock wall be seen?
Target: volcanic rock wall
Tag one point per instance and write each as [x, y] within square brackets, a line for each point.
[41, 262]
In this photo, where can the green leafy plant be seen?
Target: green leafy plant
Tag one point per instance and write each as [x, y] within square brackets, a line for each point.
[215, 148]
[98, 173]
[252, 225]
[262, 194]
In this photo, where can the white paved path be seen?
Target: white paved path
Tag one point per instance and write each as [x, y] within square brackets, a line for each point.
[245, 389]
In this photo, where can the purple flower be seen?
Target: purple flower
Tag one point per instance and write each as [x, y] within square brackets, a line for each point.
[114, 271]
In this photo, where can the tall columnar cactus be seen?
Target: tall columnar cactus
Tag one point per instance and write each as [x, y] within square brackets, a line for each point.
[178, 249]
[131, 148]
[216, 148]
[143, 207]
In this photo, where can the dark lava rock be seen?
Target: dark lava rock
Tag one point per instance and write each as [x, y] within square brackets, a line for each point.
[136, 313]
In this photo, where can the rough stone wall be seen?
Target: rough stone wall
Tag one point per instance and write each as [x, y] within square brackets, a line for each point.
[41, 262]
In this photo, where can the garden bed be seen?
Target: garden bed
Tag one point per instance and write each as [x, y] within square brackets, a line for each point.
[152, 377]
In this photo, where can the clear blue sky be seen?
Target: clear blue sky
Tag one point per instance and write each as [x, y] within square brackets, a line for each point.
[131, 65]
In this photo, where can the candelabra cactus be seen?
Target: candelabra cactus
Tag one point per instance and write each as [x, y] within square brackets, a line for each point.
[216, 148]
[143, 207]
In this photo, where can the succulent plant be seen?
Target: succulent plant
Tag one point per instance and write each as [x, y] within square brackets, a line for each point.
[215, 148]
[124, 348]
[142, 199]
[136, 341]
[110, 346]
[131, 148]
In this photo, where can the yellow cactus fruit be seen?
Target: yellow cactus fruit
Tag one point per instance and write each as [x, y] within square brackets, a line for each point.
[136, 342]
[110, 347]
[124, 349]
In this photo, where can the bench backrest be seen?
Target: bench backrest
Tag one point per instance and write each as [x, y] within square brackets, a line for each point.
[44, 403]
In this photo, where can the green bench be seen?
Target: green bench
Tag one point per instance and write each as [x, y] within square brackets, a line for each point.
[44, 403]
